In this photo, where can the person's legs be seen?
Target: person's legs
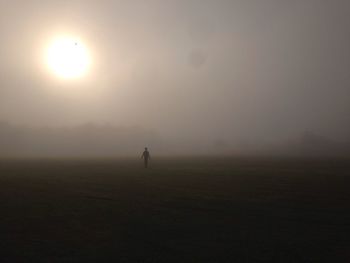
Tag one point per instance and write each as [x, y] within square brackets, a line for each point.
[146, 162]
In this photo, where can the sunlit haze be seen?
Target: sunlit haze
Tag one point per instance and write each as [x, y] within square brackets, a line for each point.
[68, 57]
[175, 131]
[195, 76]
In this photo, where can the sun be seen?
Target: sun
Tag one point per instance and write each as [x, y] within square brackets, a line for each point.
[68, 58]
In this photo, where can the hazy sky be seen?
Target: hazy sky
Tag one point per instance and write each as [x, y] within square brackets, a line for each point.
[260, 70]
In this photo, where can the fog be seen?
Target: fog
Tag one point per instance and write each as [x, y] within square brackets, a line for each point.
[181, 77]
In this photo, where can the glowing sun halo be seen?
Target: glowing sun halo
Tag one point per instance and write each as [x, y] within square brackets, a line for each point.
[68, 58]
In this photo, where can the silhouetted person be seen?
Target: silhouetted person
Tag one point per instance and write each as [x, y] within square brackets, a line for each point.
[146, 156]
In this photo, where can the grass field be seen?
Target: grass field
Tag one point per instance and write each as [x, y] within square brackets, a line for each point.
[178, 210]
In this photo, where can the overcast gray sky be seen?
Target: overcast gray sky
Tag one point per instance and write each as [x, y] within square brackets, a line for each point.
[224, 69]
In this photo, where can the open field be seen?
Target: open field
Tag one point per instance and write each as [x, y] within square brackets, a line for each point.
[179, 210]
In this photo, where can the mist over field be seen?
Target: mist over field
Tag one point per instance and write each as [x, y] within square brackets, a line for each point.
[174, 131]
[91, 140]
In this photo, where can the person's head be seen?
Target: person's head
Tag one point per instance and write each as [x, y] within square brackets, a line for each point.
[145, 148]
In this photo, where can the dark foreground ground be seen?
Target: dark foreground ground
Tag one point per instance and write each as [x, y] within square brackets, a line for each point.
[179, 210]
